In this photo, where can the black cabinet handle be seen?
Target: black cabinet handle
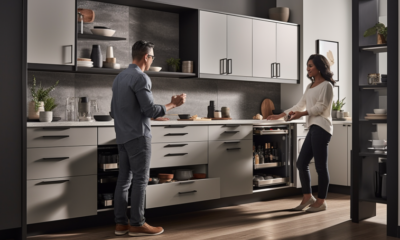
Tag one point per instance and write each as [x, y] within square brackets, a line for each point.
[229, 66]
[230, 149]
[278, 72]
[186, 182]
[175, 154]
[230, 125]
[272, 70]
[231, 142]
[194, 191]
[344, 125]
[52, 182]
[175, 134]
[177, 126]
[57, 136]
[231, 131]
[349, 125]
[174, 145]
[221, 69]
[56, 128]
[55, 159]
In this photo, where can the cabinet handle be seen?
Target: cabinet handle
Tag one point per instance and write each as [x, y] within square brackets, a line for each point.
[230, 149]
[231, 142]
[57, 136]
[52, 182]
[174, 145]
[221, 69]
[186, 182]
[229, 125]
[177, 126]
[229, 66]
[55, 159]
[194, 191]
[231, 131]
[272, 70]
[72, 49]
[344, 125]
[175, 134]
[175, 154]
[278, 72]
[349, 125]
[55, 128]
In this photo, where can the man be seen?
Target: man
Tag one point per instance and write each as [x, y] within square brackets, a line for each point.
[132, 107]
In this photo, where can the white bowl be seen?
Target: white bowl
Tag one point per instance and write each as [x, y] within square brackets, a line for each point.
[103, 32]
[155, 69]
[377, 143]
[380, 111]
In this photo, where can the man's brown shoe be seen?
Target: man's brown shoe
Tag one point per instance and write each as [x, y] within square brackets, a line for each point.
[145, 230]
[121, 229]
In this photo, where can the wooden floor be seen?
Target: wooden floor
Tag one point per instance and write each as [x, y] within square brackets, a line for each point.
[255, 221]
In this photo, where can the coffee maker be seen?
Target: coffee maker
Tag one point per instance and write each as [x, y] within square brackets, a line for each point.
[380, 179]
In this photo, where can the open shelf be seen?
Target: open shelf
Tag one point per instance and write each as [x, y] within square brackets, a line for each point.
[377, 48]
[98, 37]
[369, 154]
[110, 71]
[375, 200]
[375, 87]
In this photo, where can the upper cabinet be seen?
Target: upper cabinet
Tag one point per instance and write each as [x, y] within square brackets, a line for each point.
[287, 51]
[51, 32]
[264, 45]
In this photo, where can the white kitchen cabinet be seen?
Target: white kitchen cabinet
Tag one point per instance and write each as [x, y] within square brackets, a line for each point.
[338, 156]
[287, 65]
[311, 166]
[51, 32]
[264, 48]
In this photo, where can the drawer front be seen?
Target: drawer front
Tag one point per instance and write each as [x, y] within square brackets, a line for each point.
[61, 198]
[302, 130]
[230, 132]
[107, 136]
[168, 194]
[61, 162]
[178, 154]
[179, 133]
[61, 137]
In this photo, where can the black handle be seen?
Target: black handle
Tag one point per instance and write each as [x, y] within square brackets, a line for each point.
[56, 128]
[174, 145]
[344, 125]
[55, 158]
[175, 134]
[272, 70]
[230, 149]
[231, 131]
[231, 142]
[229, 66]
[175, 154]
[186, 182]
[194, 191]
[230, 125]
[52, 182]
[349, 125]
[72, 48]
[57, 136]
[223, 66]
[278, 72]
[177, 126]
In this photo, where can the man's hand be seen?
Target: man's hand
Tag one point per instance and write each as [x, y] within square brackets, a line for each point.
[176, 101]
[161, 119]
[297, 115]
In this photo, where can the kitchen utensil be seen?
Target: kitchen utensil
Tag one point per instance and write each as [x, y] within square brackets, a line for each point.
[187, 66]
[102, 118]
[88, 15]
[211, 109]
[199, 175]
[183, 174]
[155, 69]
[103, 32]
[96, 56]
[225, 112]
[217, 114]
[380, 111]
[80, 20]
[110, 52]
[184, 116]
[266, 108]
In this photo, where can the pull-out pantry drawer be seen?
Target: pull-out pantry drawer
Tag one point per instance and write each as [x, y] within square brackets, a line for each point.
[230, 132]
[107, 136]
[61, 198]
[168, 194]
[178, 154]
[61, 137]
[61, 162]
[179, 133]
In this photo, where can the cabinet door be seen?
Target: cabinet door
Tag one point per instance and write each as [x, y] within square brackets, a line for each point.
[337, 156]
[212, 42]
[264, 48]
[51, 32]
[240, 46]
[311, 166]
[287, 51]
[233, 164]
[349, 148]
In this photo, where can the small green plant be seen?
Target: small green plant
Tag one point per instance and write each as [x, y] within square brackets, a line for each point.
[379, 28]
[40, 94]
[174, 62]
[337, 106]
[49, 104]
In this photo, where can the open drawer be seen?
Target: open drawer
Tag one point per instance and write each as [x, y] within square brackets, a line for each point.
[168, 194]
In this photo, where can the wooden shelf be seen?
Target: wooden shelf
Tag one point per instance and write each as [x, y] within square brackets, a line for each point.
[110, 71]
[375, 87]
[378, 48]
[373, 121]
[375, 200]
[369, 154]
[98, 37]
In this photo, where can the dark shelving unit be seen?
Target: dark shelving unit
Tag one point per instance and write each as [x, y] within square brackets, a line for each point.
[374, 121]
[375, 48]
[374, 200]
[110, 71]
[373, 87]
[98, 37]
[371, 154]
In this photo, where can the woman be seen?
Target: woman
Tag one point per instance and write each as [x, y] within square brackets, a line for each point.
[316, 104]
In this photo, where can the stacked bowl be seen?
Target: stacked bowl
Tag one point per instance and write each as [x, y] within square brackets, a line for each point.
[85, 62]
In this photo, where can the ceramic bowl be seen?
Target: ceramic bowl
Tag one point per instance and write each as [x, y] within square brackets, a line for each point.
[376, 143]
[155, 69]
[380, 111]
[199, 175]
[184, 116]
[102, 118]
[183, 174]
[103, 32]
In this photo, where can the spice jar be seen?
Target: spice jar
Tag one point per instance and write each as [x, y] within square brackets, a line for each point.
[225, 112]
[217, 114]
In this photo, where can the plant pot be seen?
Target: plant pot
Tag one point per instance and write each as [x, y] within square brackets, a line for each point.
[380, 39]
[279, 14]
[32, 113]
[340, 114]
[334, 114]
[172, 68]
[46, 116]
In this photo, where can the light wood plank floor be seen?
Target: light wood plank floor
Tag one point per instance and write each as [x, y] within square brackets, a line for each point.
[255, 221]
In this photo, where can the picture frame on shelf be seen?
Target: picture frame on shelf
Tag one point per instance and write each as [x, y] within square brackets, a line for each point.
[330, 50]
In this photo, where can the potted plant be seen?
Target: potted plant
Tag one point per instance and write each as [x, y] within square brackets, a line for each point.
[47, 114]
[337, 111]
[173, 64]
[38, 98]
[378, 29]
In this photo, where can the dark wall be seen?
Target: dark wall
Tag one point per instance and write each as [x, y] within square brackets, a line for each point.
[12, 96]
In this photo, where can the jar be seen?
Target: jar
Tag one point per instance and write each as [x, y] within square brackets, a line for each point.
[225, 112]
[374, 78]
[217, 114]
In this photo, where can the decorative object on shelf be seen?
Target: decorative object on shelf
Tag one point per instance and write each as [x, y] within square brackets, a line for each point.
[84, 62]
[39, 97]
[187, 66]
[111, 61]
[96, 56]
[375, 79]
[111, 65]
[155, 69]
[173, 64]
[279, 14]
[110, 52]
[380, 111]
[47, 114]
[217, 114]
[210, 110]
[267, 106]
[380, 30]
[330, 50]
[70, 109]
[225, 112]
[340, 114]
[103, 32]
[337, 107]
[88, 15]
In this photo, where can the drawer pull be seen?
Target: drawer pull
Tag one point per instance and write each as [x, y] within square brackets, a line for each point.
[194, 191]
[56, 128]
[175, 134]
[55, 159]
[231, 142]
[177, 126]
[231, 131]
[231, 125]
[174, 145]
[57, 136]
[52, 182]
[230, 149]
[175, 154]
[186, 182]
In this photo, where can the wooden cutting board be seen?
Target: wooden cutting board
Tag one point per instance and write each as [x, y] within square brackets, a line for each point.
[266, 108]
[208, 119]
[88, 15]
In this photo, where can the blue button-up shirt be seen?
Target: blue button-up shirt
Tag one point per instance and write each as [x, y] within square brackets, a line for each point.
[132, 104]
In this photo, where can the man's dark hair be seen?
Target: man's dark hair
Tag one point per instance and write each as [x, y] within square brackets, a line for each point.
[141, 48]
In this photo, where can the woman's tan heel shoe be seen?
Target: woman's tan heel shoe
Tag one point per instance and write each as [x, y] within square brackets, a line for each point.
[323, 207]
[302, 206]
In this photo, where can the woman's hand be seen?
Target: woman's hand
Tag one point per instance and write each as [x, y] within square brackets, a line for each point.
[276, 117]
[297, 115]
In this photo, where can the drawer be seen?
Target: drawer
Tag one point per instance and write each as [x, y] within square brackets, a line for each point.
[230, 132]
[61, 162]
[61, 137]
[61, 198]
[302, 130]
[178, 154]
[168, 194]
[179, 133]
[106, 136]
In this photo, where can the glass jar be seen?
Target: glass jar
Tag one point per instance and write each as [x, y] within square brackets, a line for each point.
[217, 114]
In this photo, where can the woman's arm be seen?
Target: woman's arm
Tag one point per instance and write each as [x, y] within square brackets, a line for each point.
[324, 101]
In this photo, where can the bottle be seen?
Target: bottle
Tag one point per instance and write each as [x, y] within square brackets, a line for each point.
[256, 158]
[271, 155]
[261, 155]
[211, 110]
[276, 154]
[254, 154]
[266, 153]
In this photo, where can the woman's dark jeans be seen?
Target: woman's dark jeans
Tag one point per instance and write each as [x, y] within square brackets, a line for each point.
[315, 146]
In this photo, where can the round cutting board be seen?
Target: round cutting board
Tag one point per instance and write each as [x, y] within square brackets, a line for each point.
[266, 108]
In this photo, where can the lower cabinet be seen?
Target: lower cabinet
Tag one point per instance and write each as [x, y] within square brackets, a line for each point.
[338, 156]
[232, 162]
[61, 198]
[168, 194]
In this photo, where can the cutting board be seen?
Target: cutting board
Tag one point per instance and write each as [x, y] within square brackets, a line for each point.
[208, 119]
[88, 15]
[266, 108]
[221, 118]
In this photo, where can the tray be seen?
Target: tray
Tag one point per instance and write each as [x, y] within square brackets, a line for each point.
[270, 182]
[267, 165]
[207, 119]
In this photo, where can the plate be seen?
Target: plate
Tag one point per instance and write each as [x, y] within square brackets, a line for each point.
[375, 117]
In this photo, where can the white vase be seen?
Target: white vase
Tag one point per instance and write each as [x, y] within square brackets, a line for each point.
[46, 116]
[32, 113]
[340, 114]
